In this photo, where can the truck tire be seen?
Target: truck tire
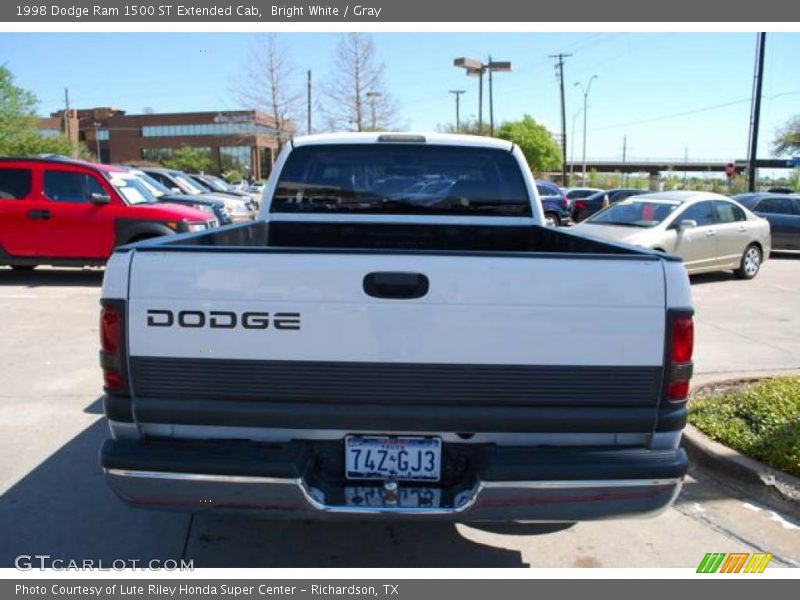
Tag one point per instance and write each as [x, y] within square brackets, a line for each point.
[750, 263]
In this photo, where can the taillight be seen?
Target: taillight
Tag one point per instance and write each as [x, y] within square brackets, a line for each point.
[580, 205]
[109, 330]
[564, 201]
[681, 340]
[111, 350]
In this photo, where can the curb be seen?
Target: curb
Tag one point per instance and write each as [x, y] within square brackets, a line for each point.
[772, 487]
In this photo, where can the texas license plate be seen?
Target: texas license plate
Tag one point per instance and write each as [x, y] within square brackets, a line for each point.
[407, 497]
[401, 458]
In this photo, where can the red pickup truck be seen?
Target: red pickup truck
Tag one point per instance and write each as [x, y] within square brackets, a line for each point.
[64, 212]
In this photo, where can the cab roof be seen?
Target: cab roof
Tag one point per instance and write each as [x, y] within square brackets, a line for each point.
[388, 137]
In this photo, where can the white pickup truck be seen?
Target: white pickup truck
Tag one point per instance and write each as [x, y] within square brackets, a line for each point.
[398, 335]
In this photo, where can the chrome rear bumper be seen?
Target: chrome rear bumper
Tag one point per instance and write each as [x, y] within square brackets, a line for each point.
[480, 497]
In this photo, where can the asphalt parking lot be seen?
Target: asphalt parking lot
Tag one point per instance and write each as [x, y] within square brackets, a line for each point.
[54, 500]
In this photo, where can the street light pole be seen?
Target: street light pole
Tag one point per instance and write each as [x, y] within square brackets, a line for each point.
[585, 91]
[476, 68]
[572, 147]
[97, 141]
[457, 94]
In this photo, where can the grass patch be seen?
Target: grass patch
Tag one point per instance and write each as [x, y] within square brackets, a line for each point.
[761, 420]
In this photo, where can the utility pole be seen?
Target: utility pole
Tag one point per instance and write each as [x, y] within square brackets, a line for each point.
[624, 159]
[560, 76]
[755, 115]
[491, 102]
[308, 107]
[685, 162]
[67, 124]
[457, 94]
[480, 102]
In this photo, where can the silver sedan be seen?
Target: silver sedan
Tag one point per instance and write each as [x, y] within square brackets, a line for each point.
[708, 231]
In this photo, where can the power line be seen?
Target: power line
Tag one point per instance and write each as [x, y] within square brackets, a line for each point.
[689, 112]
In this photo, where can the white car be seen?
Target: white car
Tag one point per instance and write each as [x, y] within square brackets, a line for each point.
[708, 231]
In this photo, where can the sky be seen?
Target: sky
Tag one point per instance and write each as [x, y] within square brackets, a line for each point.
[670, 94]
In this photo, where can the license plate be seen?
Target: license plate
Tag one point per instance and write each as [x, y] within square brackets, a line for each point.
[406, 497]
[402, 458]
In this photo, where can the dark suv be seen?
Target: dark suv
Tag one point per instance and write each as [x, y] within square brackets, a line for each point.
[555, 204]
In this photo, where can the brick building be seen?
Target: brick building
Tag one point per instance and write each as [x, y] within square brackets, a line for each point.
[243, 140]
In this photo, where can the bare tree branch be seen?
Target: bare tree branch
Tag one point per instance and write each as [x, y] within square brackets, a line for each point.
[357, 98]
[268, 83]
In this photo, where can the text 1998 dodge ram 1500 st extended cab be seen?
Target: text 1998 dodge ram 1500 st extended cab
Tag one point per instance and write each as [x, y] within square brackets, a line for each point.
[398, 335]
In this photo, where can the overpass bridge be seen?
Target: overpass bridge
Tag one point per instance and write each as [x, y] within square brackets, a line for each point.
[654, 167]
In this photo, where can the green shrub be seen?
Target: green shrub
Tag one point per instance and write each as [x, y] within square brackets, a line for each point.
[761, 420]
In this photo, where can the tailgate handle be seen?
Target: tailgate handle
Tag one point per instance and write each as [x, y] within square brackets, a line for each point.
[400, 286]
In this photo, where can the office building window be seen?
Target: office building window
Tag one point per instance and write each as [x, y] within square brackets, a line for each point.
[245, 128]
[156, 154]
[236, 158]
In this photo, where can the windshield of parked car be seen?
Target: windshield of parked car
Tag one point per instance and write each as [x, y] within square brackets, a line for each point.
[131, 188]
[191, 187]
[156, 188]
[217, 184]
[401, 179]
[635, 212]
[208, 183]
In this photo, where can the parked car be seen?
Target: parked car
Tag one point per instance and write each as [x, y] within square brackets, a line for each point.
[580, 192]
[164, 194]
[585, 207]
[783, 214]
[780, 190]
[256, 190]
[555, 204]
[347, 346]
[708, 231]
[74, 213]
[220, 186]
[180, 183]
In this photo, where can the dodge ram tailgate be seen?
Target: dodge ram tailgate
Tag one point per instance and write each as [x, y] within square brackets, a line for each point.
[396, 340]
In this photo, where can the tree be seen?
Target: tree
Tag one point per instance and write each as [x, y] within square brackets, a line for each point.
[537, 144]
[191, 160]
[787, 139]
[268, 84]
[19, 130]
[357, 96]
